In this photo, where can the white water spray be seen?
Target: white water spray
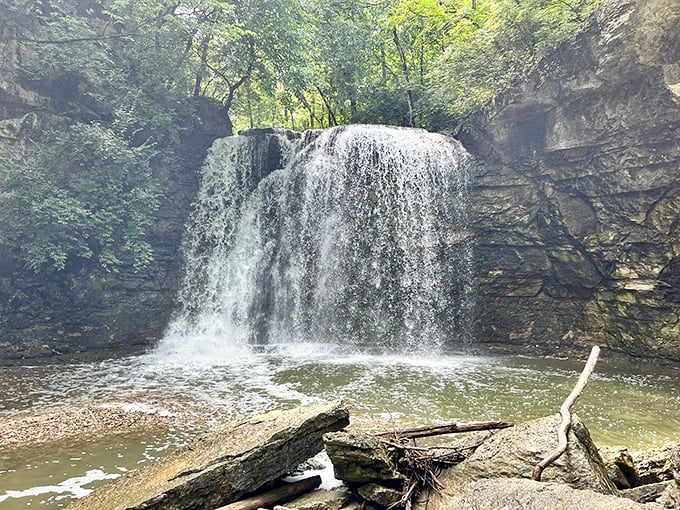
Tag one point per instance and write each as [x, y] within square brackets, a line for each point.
[353, 236]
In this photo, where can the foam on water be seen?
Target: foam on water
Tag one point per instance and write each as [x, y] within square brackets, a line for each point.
[620, 405]
[70, 488]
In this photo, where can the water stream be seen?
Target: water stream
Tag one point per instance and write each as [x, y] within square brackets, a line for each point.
[332, 266]
[353, 235]
[623, 404]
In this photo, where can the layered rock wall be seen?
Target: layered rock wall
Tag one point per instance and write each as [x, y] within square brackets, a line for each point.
[577, 211]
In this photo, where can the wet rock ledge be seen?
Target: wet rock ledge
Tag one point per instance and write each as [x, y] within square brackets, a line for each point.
[252, 464]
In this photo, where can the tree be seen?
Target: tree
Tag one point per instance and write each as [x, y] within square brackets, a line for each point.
[494, 46]
[81, 192]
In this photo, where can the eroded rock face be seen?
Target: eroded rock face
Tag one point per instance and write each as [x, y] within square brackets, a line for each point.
[576, 214]
[224, 465]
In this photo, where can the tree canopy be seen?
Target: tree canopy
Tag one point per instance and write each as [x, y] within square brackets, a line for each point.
[121, 74]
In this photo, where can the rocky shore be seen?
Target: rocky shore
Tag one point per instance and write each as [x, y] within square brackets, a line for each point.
[240, 462]
[94, 421]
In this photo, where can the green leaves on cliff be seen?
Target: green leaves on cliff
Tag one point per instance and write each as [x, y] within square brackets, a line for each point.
[80, 192]
[495, 47]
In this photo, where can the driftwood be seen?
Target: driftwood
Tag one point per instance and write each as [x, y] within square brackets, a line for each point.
[566, 416]
[420, 465]
[274, 496]
[450, 428]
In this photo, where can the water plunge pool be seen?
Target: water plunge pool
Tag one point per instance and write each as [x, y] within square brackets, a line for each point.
[624, 404]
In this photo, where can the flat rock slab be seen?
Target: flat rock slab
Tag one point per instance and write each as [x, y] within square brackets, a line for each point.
[522, 494]
[224, 465]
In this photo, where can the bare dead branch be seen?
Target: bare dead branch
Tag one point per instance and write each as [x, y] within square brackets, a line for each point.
[450, 428]
[566, 416]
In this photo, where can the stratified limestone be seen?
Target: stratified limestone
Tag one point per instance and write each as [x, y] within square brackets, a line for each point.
[225, 464]
[576, 215]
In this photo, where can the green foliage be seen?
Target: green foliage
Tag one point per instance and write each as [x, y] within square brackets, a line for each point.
[123, 74]
[79, 192]
[503, 41]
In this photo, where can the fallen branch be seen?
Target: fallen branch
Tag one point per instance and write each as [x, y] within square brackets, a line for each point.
[566, 416]
[451, 428]
[272, 497]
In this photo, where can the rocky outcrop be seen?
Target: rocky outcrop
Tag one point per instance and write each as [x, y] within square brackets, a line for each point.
[576, 215]
[224, 465]
[513, 452]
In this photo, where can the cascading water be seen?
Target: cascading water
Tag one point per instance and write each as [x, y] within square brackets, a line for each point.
[354, 236]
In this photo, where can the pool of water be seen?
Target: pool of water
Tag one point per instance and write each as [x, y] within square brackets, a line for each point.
[624, 404]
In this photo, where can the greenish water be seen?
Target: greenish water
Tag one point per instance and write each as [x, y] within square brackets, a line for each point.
[624, 404]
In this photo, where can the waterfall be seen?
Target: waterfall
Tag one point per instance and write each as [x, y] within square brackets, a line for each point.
[355, 235]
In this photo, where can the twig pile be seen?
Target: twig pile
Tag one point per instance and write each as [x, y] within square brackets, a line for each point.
[420, 466]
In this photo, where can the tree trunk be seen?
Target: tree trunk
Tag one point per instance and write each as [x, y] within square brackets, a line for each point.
[204, 65]
[566, 416]
[451, 428]
[275, 496]
[407, 80]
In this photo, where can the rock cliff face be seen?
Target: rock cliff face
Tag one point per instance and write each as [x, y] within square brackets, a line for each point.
[577, 213]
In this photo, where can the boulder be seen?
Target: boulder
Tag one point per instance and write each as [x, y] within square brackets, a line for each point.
[333, 499]
[225, 464]
[513, 452]
[522, 494]
[655, 465]
[359, 458]
[379, 494]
